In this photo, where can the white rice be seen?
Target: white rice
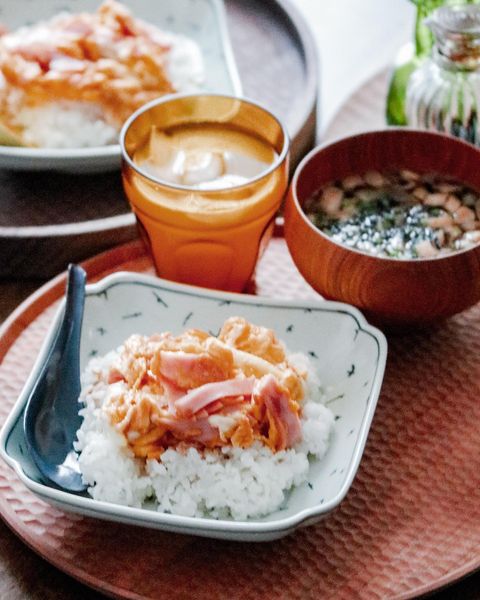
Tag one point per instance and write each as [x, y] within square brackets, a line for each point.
[81, 125]
[230, 483]
[184, 67]
[65, 125]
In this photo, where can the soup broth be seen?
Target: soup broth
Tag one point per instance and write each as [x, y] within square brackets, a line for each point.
[398, 215]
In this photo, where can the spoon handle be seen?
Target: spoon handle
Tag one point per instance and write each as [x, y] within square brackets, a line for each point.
[71, 326]
[75, 291]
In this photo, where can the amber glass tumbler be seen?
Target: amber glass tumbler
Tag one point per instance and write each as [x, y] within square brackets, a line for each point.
[209, 238]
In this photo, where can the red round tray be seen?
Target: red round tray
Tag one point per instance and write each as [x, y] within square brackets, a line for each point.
[410, 523]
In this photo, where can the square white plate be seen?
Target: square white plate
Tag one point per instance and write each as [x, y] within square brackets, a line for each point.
[204, 21]
[348, 354]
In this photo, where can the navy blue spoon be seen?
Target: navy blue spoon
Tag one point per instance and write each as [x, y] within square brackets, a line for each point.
[51, 417]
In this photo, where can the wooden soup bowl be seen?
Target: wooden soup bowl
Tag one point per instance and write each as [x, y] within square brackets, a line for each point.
[387, 290]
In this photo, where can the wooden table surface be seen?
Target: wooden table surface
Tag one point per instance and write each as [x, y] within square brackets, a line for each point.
[23, 574]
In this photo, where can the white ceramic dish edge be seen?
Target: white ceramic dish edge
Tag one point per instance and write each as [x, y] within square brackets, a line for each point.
[222, 529]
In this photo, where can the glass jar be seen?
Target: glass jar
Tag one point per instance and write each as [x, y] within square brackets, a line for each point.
[411, 56]
[443, 93]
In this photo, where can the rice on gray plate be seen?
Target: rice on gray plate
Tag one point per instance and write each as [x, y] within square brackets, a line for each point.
[69, 124]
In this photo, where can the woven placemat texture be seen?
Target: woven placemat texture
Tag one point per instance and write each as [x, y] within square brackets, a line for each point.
[410, 521]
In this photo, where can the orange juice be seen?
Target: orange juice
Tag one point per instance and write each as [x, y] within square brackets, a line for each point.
[205, 190]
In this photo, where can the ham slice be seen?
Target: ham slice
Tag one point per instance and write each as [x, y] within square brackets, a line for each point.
[198, 430]
[189, 370]
[285, 428]
[173, 393]
[200, 397]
